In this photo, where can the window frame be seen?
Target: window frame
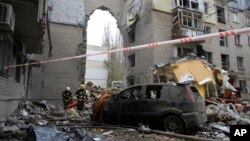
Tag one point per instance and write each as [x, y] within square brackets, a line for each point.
[235, 17]
[237, 40]
[209, 57]
[206, 7]
[192, 19]
[131, 60]
[221, 18]
[205, 30]
[227, 62]
[248, 21]
[224, 39]
[240, 63]
[243, 86]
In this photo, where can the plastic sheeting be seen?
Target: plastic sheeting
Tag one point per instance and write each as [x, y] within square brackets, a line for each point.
[50, 133]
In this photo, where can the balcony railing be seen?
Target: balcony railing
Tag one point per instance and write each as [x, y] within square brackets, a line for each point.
[186, 32]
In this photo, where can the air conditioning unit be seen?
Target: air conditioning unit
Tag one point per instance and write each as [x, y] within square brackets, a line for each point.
[7, 18]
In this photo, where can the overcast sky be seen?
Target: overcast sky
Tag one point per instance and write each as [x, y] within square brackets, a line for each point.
[96, 26]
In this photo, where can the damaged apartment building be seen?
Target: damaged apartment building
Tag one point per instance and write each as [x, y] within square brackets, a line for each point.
[151, 21]
[17, 42]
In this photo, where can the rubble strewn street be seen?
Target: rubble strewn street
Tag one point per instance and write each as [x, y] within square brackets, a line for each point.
[42, 121]
[124, 70]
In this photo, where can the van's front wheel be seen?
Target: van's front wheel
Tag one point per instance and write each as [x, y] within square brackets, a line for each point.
[174, 123]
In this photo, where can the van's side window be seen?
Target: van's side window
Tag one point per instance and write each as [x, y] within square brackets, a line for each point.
[132, 93]
[153, 92]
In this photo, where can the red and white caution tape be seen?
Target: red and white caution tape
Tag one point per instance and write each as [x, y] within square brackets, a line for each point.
[151, 45]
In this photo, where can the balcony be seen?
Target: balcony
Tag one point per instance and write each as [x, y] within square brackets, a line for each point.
[187, 23]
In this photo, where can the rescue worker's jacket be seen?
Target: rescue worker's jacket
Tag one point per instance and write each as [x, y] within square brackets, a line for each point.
[81, 95]
[67, 96]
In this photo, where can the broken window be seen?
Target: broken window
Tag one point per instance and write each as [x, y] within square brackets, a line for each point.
[191, 19]
[131, 60]
[209, 57]
[136, 92]
[220, 15]
[185, 3]
[153, 92]
[207, 30]
[240, 62]
[132, 93]
[197, 21]
[243, 86]
[131, 35]
[132, 18]
[184, 51]
[206, 8]
[237, 40]
[225, 61]
[200, 51]
[190, 4]
[223, 40]
[195, 5]
[187, 18]
[127, 94]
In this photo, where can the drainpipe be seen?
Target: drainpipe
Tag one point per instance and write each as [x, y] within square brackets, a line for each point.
[46, 20]
[49, 36]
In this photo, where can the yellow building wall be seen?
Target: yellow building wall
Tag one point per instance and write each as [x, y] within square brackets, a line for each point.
[162, 5]
[211, 16]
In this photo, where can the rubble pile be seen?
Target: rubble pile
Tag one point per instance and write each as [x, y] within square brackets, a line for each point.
[39, 121]
[220, 117]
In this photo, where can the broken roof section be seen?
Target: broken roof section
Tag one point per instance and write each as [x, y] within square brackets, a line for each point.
[195, 68]
[192, 69]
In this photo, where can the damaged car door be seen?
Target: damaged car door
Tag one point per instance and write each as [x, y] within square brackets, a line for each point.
[150, 105]
[123, 108]
[129, 108]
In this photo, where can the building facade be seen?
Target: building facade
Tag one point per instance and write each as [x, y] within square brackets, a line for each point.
[63, 39]
[66, 37]
[96, 69]
[17, 41]
[158, 20]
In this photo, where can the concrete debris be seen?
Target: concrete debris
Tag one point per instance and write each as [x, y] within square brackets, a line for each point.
[220, 136]
[108, 133]
[225, 113]
[144, 129]
[71, 112]
[225, 129]
[42, 122]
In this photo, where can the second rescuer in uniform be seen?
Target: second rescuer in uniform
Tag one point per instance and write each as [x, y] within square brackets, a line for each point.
[81, 97]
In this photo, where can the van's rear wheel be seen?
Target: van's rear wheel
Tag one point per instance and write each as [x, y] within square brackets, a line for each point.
[174, 123]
